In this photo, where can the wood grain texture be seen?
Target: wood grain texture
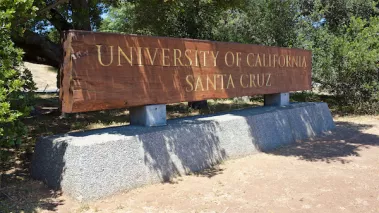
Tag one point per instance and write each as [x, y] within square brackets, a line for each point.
[65, 92]
[95, 75]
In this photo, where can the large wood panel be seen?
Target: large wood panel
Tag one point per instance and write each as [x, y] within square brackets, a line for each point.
[107, 70]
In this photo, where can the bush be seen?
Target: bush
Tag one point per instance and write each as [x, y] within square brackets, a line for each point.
[346, 63]
[352, 70]
[16, 83]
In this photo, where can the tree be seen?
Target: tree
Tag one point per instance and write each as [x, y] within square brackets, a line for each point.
[352, 70]
[15, 83]
[41, 38]
[121, 19]
[345, 54]
[339, 12]
[267, 22]
[196, 19]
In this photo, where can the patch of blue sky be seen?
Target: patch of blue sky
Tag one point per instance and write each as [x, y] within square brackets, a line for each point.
[319, 23]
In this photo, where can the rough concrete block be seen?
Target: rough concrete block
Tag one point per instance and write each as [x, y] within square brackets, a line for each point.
[303, 123]
[94, 164]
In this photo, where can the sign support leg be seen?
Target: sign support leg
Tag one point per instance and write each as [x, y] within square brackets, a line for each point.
[277, 99]
[149, 115]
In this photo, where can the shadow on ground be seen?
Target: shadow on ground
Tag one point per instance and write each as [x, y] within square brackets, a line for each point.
[346, 140]
[19, 193]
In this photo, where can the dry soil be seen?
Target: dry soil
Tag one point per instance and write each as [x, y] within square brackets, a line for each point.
[338, 172]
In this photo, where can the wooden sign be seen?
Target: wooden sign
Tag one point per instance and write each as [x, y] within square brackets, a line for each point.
[107, 70]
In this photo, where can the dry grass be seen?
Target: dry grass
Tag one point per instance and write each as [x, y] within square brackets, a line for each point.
[44, 76]
[49, 121]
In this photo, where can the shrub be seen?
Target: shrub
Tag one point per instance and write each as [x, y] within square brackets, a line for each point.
[16, 83]
[353, 70]
[346, 63]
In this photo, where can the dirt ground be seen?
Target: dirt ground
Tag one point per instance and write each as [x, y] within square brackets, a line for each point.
[44, 76]
[338, 172]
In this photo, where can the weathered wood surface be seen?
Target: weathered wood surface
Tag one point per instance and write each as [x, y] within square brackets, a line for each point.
[107, 71]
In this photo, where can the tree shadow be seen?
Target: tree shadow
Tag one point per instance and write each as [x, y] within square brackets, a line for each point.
[346, 140]
[168, 158]
[159, 158]
[19, 193]
[189, 146]
[210, 172]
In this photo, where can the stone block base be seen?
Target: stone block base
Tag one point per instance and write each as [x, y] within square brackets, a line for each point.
[94, 164]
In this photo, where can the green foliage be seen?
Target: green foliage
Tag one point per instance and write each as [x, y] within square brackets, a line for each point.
[339, 12]
[53, 35]
[15, 85]
[187, 18]
[259, 22]
[90, 11]
[120, 19]
[345, 58]
[266, 22]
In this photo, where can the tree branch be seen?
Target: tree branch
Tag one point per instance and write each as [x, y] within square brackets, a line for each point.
[58, 21]
[51, 6]
[39, 49]
[40, 12]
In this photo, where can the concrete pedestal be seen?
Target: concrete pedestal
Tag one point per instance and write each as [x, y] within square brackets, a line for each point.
[149, 115]
[278, 99]
[94, 164]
